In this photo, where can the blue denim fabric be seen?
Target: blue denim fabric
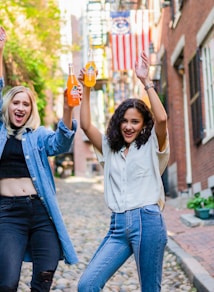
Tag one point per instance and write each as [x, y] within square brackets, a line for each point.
[37, 146]
[24, 221]
[141, 232]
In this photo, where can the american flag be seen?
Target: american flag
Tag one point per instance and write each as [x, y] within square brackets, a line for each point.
[129, 36]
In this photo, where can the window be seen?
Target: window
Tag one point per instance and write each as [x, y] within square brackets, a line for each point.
[176, 11]
[195, 98]
[208, 83]
[164, 84]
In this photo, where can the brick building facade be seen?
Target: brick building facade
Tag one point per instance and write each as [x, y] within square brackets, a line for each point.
[182, 33]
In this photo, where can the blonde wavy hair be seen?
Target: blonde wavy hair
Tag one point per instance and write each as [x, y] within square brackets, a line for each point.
[33, 121]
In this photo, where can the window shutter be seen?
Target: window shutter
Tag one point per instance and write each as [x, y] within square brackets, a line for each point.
[195, 97]
[164, 82]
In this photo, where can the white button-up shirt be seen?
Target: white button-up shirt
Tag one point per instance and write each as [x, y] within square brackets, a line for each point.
[134, 180]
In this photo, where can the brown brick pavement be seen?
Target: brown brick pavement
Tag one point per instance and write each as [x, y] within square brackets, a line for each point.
[197, 241]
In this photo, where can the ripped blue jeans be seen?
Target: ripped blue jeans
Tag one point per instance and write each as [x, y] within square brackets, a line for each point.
[24, 222]
[141, 232]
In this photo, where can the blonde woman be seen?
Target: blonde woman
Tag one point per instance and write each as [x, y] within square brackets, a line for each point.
[31, 225]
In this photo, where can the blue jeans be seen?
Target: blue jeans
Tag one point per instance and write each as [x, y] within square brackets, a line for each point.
[141, 232]
[24, 223]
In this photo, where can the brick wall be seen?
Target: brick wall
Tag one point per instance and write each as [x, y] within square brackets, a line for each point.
[193, 15]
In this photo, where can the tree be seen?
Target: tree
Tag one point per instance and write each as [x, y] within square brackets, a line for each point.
[33, 47]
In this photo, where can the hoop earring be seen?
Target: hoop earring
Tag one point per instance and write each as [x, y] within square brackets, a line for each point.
[143, 131]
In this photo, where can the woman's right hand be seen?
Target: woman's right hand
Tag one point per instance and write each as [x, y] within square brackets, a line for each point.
[2, 38]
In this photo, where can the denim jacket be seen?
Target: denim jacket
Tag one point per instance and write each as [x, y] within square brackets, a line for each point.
[37, 146]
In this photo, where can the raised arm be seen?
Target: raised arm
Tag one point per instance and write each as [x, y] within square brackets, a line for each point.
[93, 134]
[2, 43]
[67, 112]
[160, 116]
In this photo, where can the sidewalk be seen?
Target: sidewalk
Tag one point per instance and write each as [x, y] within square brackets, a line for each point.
[193, 246]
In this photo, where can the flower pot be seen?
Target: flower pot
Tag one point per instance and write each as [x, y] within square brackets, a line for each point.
[202, 213]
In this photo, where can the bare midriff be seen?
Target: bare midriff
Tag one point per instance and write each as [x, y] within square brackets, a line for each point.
[17, 187]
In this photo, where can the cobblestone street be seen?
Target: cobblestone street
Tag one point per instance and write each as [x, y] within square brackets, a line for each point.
[87, 218]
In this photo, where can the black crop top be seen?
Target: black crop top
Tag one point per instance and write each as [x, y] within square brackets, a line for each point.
[12, 161]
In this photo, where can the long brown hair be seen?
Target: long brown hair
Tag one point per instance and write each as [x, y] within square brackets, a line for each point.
[113, 132]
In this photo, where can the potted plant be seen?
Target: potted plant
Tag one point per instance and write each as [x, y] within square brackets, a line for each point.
[201, 205]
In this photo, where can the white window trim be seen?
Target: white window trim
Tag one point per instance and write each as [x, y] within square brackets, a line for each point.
[176, 19]
[208, 138]
[206, 26]
[209, 117]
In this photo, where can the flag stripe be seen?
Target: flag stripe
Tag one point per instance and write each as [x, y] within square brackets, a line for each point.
[120, 52]
[128, 52]
[133, 47]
